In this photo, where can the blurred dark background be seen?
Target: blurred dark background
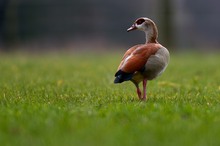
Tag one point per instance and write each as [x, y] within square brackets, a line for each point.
[101, 24]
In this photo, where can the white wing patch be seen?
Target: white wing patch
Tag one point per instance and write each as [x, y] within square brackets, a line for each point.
[127, 59]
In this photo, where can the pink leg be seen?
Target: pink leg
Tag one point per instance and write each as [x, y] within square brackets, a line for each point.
[144, 89]
[139, 92]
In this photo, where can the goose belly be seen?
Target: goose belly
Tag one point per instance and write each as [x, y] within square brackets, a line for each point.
[156, 64]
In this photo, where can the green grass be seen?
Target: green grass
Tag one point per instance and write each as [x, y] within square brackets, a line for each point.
[71, 100]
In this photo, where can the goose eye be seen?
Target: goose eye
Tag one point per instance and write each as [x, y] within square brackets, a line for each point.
[140, 21]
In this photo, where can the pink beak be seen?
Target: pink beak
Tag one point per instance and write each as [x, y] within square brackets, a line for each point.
[133, 27]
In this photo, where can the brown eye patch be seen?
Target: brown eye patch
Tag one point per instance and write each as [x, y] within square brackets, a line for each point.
[139, 21]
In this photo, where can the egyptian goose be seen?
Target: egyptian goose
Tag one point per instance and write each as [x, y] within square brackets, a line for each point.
[143, 62]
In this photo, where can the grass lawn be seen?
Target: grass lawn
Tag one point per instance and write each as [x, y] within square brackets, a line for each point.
[70, 99]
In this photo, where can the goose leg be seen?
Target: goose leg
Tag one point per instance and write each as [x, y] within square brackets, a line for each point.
[144, 89]
[138, 91]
